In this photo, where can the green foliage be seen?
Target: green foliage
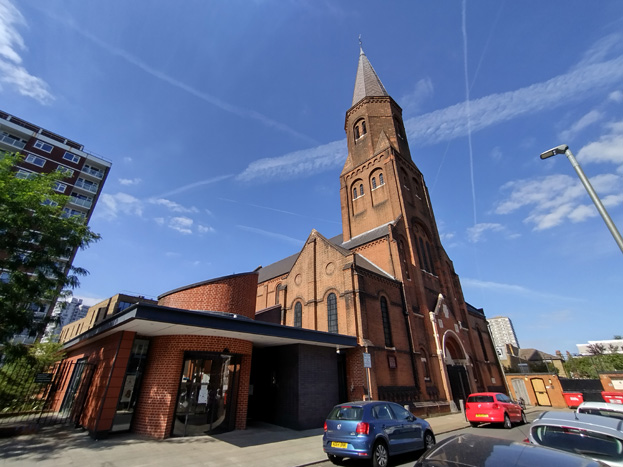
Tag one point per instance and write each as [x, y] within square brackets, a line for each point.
[34, 240]
[18, 392]
[590, 366]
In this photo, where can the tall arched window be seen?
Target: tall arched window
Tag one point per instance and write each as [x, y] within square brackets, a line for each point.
[354, 192]
[332, 312]
[298, 315]
[361, 190]
[373, 183]
[381, 181]
[387, 330]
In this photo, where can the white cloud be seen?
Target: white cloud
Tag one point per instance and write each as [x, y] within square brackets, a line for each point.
[609, 147]
[553, 199]
[110, 206]
[12, 72]
[592, 117]
[422, 91]
[205, 229]
[173, 206]
[274, 235]
[181, 224]
[511, 289]
[452, 122]
[475, 233]
[129, 181]
[616, 96]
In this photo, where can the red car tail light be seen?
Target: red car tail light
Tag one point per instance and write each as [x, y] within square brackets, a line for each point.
[325, 426]
[363, 428]
[495, 406]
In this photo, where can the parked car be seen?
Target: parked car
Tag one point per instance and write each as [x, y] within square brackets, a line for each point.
[594, 436]
[468, 450]
[605, 409]
[373, 430]
[493, 407]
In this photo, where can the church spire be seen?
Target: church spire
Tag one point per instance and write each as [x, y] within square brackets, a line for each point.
[367, 82]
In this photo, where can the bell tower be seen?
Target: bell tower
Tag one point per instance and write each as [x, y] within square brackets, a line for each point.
[379, 181]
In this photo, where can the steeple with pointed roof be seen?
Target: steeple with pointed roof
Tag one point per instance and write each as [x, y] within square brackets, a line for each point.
[367, 82]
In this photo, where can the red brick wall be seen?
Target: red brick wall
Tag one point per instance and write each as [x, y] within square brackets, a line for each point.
[231, 294]
[156, 404]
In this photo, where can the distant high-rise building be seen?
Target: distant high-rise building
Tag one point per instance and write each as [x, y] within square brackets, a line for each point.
[502, 331]
[46, 152]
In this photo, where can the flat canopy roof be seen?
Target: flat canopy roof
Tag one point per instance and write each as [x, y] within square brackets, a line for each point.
[154, 320]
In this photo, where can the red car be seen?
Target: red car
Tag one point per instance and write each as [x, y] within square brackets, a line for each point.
[493, 407]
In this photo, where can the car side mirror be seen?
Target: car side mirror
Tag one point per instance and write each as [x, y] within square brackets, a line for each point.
[410, 418]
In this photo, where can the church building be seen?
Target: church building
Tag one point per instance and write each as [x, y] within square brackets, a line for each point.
[374, 313]
[387, 279]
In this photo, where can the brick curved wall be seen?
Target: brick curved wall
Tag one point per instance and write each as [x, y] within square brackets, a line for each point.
[230, 294]
[156, 406]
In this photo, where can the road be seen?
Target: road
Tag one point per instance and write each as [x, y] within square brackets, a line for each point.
[517, 433]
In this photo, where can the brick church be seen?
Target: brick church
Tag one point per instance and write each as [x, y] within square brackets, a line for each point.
[375, 313]
[387, 279]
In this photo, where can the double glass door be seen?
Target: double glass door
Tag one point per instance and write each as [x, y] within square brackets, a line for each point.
[206, 398]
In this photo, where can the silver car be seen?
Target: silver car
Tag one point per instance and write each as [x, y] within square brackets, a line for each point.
[594, 436]
[606, 409]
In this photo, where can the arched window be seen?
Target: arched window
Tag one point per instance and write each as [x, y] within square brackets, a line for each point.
[298, 315]
[354, 192]
[387, 330]
[425, 364]
[360, 128]
[361, 190]
[373, 183]
[381, 181]
[332, 312]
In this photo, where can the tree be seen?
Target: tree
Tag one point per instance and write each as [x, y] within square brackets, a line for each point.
[37, 242]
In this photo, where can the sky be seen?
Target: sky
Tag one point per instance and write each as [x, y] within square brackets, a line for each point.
[224, 123]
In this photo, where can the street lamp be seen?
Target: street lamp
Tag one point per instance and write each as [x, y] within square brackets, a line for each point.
[564, 149]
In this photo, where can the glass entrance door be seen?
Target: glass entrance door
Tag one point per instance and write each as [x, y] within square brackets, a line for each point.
[205, 401]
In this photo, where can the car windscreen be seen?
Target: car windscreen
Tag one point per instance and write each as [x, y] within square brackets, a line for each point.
[602, 412]
[480, 399]
[346, 412]
[587, 443]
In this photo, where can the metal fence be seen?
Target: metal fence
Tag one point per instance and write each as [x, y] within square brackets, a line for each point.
[36, 396]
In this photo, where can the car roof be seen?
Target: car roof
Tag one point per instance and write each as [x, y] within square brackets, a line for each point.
[474, 450]
[485, 394]
[605, 425]
[602, 406]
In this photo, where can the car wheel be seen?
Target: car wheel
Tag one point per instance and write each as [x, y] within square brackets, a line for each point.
[524, 420]
[380, 456]
[335, 459]
[429, 440]
[507, 422]
[474, 424]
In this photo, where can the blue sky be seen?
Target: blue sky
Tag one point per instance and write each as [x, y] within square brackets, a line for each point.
[224, 121]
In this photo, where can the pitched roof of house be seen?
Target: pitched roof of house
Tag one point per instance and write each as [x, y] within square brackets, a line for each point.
[367, 82]
[535, 355]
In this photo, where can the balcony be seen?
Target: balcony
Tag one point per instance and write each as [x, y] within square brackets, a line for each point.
[93, 172]
[90, 187]
[85, 203]
[17, 143]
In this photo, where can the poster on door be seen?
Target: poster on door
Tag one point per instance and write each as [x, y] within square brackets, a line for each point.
[128, 388]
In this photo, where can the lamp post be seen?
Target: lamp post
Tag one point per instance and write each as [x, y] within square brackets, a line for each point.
[564, 149]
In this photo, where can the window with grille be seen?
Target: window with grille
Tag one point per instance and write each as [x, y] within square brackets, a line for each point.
[332, 312]
[298, 315]
[387, 330]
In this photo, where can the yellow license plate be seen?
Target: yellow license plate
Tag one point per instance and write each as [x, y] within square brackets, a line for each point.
[335, 444]
[481, 415]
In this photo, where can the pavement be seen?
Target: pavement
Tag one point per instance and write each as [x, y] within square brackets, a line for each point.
[259, 445]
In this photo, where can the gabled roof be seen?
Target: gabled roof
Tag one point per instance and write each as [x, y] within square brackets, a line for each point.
[367, 82]
[284, 266]
[535, 355]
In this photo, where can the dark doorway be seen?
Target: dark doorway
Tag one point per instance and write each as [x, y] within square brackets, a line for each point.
[206, 398]
[459, 384]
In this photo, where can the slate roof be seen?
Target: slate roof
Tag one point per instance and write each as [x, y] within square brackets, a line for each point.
[367, 82]
[284, 266]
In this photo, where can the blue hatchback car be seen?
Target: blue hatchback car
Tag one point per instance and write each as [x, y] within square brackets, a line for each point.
[373, 430]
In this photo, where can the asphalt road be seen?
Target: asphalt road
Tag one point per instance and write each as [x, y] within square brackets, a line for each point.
[517, 433]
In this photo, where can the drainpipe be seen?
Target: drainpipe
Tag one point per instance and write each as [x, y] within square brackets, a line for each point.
[440, 355]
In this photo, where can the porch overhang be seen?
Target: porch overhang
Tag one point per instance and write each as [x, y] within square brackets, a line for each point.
[154, 320]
